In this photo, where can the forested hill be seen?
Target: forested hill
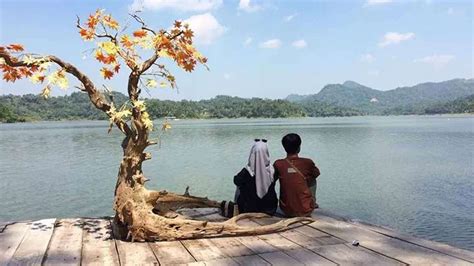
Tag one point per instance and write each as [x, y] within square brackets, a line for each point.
[347, 99]
[77, 106]
[418, 99]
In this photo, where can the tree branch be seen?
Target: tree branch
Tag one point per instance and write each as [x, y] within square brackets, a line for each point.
[144, 26]
[95, 96]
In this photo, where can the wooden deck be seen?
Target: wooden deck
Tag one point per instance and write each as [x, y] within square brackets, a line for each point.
[324, 242]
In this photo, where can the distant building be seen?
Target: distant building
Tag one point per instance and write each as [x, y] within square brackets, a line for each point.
[374, 100]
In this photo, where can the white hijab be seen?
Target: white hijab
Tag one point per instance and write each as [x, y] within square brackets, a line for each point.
[260, 167]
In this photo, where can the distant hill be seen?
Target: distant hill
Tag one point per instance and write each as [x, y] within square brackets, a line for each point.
[458, 106]
[347, 99]
[401, 100]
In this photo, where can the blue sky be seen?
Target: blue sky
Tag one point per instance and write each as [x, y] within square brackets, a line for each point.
[268, 48]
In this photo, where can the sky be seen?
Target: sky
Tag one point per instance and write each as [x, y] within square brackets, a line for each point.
[267, 48]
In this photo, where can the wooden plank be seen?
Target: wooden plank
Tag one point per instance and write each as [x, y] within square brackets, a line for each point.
[10, 239]
[274, 242]
[3, 225]
[33, 247]
[310, 231]
[217, 262]
[358, 229]
[440, 247]
[98, 246]
[203, 249]
[412, 254]
[307, 257]
[349, 255]
[300, 239]
[278, 241]
[279, 258]
[273, 219]
[171, 252]
[251, 260]
[256, 244]
[231, 246]
[66, 243]
[344, 230]
[135, 253]
[308, 241]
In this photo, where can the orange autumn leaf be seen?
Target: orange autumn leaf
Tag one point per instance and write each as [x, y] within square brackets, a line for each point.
[100, 56]
[105, 59]
[117, 68]
[106, 73]
[110, 59]
[15, 47]
[109, 21]
[86, 34]
[140, 33]
[11, 75]
[189, 67]
[126, 42]
[188, 33]
[25, 72]
[93, 20]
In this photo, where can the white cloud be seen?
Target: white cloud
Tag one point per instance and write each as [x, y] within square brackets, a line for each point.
[299, 44]
[227, 76]
[367, 58]
[290, 17]
[206, 28]
[395, 38]
[450, 11]
[377, 2]
[181, 5]
[246, 6]
[437, 61]
[248, 41]
[271, 44]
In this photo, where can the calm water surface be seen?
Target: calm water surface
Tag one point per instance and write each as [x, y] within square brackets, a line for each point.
[414, 174]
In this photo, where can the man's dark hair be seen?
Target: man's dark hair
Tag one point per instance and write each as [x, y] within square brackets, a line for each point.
[291, 142]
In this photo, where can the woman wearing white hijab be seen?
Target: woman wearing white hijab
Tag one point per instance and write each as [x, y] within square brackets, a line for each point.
[255, 183]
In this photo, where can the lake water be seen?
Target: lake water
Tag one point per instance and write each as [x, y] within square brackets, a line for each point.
[414, 174]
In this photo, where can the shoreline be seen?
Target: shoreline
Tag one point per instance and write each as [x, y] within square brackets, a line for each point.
[252, 118]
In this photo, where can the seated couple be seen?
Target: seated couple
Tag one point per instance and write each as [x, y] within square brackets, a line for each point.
[256, 182]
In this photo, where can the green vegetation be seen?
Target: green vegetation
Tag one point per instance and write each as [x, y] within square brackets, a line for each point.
[77, 106]
[347, 99]
[425, 98]
[462, 105]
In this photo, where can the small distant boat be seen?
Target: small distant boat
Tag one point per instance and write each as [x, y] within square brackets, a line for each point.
[171, 118]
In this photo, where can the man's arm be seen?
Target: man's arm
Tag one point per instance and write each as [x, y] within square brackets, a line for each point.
[316, 171]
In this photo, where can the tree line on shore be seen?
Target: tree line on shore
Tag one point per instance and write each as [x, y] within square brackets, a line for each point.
[30, 107]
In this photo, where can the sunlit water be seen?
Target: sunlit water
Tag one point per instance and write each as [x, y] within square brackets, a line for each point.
[414, 174]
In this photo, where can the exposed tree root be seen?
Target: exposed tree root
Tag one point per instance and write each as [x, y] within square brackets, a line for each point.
[143, 221]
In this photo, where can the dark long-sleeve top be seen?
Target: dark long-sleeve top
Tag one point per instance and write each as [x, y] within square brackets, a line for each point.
[248, 200]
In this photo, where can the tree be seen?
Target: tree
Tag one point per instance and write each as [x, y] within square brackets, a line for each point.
[140, 214]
